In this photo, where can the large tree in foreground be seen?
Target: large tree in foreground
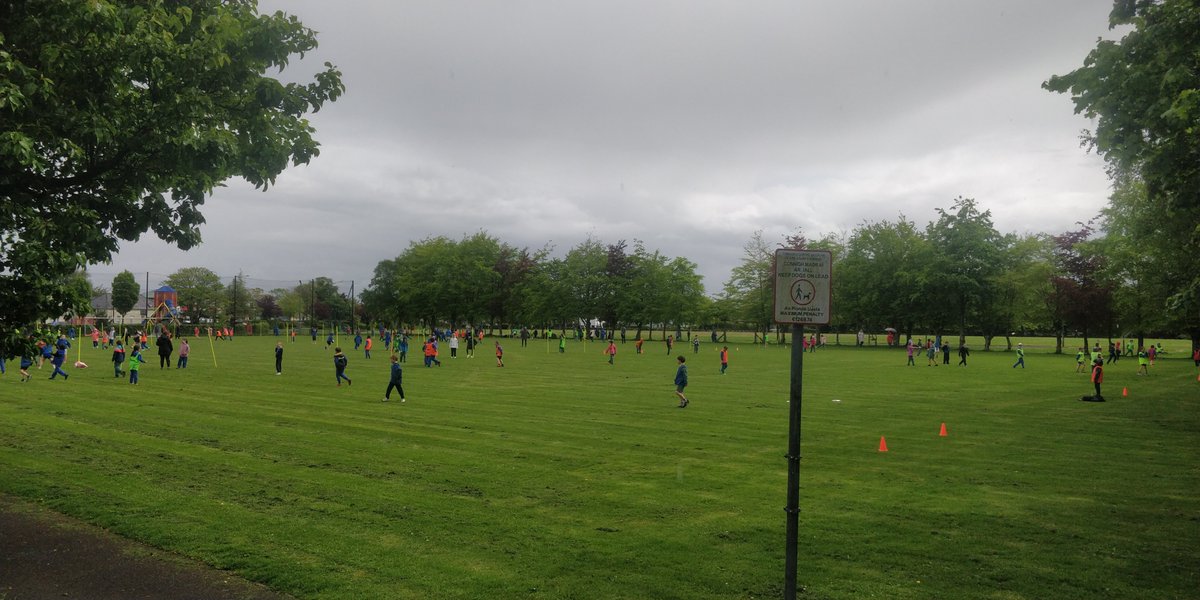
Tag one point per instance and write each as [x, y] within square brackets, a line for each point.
[1144, 93]
[118, 118]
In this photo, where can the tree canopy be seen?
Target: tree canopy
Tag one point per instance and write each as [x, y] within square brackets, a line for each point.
[120, 118]
[1144, 93]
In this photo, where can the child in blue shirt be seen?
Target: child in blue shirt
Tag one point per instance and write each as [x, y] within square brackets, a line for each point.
[395, 380]
[681, 381]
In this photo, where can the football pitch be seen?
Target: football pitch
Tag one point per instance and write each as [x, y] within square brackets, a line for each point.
[560, 476]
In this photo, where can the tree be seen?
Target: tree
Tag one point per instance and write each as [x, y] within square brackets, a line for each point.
[749, 286]
[240, 303]
[200, 290]
[1144, 93]
[645, 301]
[1081, 294]
[268, 306]
[120, 118]
[125, 292]
[881, 281]
[967, 252]
[1133, 244]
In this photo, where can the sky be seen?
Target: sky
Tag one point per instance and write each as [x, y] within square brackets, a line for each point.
[688, 125]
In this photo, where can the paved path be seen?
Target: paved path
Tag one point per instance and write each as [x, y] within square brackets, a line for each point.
[46, 555]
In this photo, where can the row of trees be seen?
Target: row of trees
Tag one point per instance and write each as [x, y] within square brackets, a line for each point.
[955, 276]
[481, 279]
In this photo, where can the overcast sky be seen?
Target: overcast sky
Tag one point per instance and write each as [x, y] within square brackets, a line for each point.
[685, 124]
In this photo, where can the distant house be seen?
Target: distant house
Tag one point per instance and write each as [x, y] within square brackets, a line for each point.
[103, 311]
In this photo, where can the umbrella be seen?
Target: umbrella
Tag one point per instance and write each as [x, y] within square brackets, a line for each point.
[890, 329]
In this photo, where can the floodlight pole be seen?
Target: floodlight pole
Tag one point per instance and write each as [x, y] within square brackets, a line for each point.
[793, 458]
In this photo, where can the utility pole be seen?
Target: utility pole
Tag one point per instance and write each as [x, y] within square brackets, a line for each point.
[233, 309]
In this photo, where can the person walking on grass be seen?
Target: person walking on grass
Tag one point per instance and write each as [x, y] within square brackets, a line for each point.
[562, 344]
[184, 350]
[395, 380]
[279, 358]
[1143, 362]
[1098, 376]
[724, 359]
[26, 362]
[118, 357]
[963, 353]
[499, 354]
[339, 366]
[367, 345]
[931, 355]
[1079, 360]
[165, 347]
[681, 381]
[695, 344]
[60, 356]
[611, 351]
[910, 355]
[1020, 356]
[135, 364]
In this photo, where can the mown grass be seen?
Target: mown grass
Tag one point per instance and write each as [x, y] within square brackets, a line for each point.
[559, 476]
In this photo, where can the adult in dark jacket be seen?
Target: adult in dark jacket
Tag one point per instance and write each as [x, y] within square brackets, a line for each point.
[165, 348]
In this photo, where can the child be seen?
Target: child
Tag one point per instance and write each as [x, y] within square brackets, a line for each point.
[1020, 357]
[695, 344]
[1079, 360]
[339, 366]
[724, 359]
[499, 355]
[279, 358]
[135, 363]
[394, 382]
[367, 347]
[454, 345]
[470, 346]
[184, 350]
[637, 344]
[60, 356]
[611, 351]
[329, 341]
[118, 357]
[681, 381]
[1098, 376]
[562, 344]
[1143, 362]
[26, 362]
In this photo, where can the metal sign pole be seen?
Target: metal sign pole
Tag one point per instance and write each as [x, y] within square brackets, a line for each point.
[793, 458]
[802, 297]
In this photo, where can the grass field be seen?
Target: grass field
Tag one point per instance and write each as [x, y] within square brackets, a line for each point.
[559, 476]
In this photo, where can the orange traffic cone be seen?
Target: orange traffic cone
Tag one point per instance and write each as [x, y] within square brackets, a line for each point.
[1125, 392]
[882, 444]
[943, 432]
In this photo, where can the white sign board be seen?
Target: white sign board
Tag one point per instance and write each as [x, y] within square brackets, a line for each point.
[802, 286]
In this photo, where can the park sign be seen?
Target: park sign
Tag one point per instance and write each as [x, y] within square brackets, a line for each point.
[802, 286]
